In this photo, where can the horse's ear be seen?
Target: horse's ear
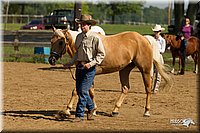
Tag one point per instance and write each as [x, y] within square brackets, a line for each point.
[54, 29]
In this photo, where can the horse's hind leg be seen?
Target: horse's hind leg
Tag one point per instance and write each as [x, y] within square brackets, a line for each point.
[147, 83]
[195, 58]
[124, 79]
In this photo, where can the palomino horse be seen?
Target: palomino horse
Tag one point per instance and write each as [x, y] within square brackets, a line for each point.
[192, 49]
[124, 51]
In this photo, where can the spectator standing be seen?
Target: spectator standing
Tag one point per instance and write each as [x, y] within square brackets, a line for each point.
[161, 45]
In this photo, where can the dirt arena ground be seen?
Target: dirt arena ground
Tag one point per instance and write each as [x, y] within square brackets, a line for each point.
[33, 93]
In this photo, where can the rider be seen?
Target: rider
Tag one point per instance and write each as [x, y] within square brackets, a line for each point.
[90, 52]
[161, 45]
[187, 29]
[182, 50]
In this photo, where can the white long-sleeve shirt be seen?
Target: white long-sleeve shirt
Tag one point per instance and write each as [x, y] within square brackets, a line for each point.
[161, 44]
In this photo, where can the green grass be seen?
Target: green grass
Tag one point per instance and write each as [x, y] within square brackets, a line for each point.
[168, 60]
[16, 56]
[109, 29]
[10, 26]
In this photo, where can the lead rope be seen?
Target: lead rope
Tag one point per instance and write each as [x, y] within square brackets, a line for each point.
[69, 70]
[72, 74]
[73, 77]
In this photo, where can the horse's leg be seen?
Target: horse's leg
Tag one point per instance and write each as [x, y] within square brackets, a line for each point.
[70, 104]
[147, 83]
[195, 58]
[173, 63]
[74, 95]
[66, 112]
[124, 79]
[146, 71]
[180, 64]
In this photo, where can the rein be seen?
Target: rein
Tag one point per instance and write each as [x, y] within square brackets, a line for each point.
[72, 74]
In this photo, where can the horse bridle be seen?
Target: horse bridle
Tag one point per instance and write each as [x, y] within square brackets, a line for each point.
[59, 55]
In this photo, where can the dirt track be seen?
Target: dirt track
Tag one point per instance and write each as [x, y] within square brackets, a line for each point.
[33, 93]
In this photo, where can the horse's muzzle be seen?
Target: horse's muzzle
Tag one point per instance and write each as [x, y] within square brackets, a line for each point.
[52, 60]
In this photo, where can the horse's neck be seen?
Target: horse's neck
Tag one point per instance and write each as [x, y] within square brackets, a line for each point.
[175, 43]
[72, 43]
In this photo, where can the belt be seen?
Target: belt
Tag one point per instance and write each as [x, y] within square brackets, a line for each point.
[80, 64]
[83, 62]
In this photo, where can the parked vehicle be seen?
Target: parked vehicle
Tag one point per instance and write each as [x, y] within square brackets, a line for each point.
[35, 24]
[61, 18]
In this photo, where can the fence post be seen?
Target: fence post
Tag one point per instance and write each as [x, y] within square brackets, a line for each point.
[16, 42]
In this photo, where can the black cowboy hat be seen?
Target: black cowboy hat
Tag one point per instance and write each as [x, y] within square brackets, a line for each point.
[87, 19]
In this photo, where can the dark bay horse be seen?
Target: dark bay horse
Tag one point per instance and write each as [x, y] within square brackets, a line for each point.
[124, 51]
[192, 48]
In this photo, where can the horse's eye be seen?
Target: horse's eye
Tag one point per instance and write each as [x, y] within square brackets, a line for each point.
[60, 43]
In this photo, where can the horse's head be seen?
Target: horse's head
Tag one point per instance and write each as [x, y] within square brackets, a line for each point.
[167, 38]
[171, 41]
[60, 44]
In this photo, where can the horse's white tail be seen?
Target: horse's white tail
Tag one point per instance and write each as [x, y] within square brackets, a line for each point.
[158, 63]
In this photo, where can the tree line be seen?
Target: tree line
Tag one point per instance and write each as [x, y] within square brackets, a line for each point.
[120, 12]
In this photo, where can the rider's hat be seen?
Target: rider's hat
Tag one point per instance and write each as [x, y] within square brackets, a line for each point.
[158, 28]
[87, 19]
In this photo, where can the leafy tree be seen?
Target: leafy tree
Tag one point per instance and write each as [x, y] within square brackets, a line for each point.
[99, 11]
[191, 11]
[40, 8]
[155, 15]
[121, 11]
[124, 8]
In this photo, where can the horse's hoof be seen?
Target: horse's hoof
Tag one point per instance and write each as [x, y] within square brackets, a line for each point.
[67, 112]
[146, 114]
[61, 115]
[114, 114]
[95, 113]
[194, 72]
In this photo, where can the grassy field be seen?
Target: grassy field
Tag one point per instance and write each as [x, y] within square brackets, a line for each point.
[10, 26]
[109, 29]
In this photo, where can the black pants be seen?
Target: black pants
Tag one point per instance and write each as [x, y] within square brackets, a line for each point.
[183, 56]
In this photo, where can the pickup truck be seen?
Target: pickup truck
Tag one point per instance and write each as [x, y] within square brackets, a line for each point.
[61, 18]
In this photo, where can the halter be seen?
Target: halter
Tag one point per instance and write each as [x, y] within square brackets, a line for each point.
[59, 55]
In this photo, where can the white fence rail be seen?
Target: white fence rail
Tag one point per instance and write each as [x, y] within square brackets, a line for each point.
[19, 18]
